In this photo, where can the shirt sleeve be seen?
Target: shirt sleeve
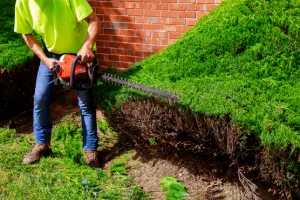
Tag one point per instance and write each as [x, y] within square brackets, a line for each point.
[21, 24]
[81, 9]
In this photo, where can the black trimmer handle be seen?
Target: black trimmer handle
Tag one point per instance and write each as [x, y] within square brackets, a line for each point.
[79, 86]
[73, 71]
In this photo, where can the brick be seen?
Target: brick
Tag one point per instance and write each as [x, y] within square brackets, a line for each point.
[195, 7]
[100, 56]
[141, 19]
[174, 35]
[99, 43]
[159, 47]
[143, 47]
[102, 11]
[135, 26]
[151, 13]
[135, 12]
[168, 28]
[135, 53]
[135, 39]
[110, 31]
[171, 14]
[113, 44]
[183, 29]
[139, 59]
[119, 51]
[102, 37]
[111, 18]
[168, 1]
[164, 41]
[127, 58]
[101, 67]
[143, 5]
[118, 11]
[106, 25]
[151, 41]
[125, 45]
[127, 32]
[155, 1]
[106, 63]
[191, 22]
[159, 34]
[160, 20]
[100, 17]
[118, 64]
[126, 5]
[177, 21]
[186, 14]
[201, 14]
[126, 19]
[94, 4]
[104, 50]
[106, 4]
[177, 6]
[111, 57]
[119, 38]
[205, 1]
[143, 33]
[119, 25]
[159, 6]
[151, 27]
[148, 53]
[218, 1]
[186, 1]
[209, 7]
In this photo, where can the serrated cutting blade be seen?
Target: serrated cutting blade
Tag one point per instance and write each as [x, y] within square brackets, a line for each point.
[115, 79]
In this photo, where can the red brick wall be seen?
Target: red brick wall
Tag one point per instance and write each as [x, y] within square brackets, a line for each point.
[134, 29]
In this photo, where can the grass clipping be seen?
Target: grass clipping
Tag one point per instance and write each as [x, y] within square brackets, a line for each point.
[242, 61]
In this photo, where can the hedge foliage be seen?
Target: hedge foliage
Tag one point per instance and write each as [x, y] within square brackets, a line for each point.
[13, 50]
[241, 59]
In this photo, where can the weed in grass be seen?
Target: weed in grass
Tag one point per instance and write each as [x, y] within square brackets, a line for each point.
[173, 189]
[152, 141]
[120, 165]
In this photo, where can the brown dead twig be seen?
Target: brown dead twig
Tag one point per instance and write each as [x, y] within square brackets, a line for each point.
[250, 188]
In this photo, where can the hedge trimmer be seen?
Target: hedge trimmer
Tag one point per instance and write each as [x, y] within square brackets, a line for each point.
[73, 74]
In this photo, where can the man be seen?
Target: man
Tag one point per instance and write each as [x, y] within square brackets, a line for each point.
[65, 26]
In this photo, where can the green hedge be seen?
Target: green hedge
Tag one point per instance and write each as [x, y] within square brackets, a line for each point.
[13, 50]
[241, 59]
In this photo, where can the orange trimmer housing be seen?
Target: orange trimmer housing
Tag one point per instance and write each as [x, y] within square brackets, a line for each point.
[65, 68]
[71, 73]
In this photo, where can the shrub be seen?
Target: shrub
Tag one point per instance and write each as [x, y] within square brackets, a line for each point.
[13, 50]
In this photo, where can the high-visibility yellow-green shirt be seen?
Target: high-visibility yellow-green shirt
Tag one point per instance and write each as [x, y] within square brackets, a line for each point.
[60, 23]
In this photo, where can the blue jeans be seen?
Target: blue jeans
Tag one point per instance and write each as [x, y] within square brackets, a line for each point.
[41, 113]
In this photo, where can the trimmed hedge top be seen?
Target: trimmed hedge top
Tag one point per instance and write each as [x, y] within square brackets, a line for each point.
[242, 59]
[13, 50]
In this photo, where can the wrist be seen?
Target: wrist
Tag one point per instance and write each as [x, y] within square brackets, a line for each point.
[88, 45]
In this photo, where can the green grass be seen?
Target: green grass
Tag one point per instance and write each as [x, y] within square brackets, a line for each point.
[13, 50]
[64, 175]
[241, 60]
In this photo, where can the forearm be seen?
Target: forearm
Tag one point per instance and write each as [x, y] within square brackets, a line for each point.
[34, 45]
[93, 31]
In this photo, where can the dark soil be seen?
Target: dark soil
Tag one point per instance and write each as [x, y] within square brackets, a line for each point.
[17, 88]
[205, 146]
